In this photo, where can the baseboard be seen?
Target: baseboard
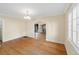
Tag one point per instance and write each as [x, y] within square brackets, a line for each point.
[54, 41]
[16, 38]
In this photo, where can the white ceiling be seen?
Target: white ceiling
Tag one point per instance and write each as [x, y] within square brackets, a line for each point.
[36, 9]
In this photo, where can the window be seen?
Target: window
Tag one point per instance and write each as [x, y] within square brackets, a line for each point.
[73, 25]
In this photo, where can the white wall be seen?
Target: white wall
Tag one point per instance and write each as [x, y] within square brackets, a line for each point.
[13, 28]
[55, 27]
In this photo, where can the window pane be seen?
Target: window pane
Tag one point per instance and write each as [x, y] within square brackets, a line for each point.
[74, 24]
[78, 39]
[77, 28]
[74, 37]
[77, 21]
[77, 32]
[77, 7]
[74, 12]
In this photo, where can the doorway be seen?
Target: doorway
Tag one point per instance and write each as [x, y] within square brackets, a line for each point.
[40, 31]
[0, 32]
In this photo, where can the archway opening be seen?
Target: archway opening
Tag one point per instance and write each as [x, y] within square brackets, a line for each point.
[40, 31]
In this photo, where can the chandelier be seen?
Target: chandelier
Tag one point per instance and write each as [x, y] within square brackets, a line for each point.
[27, 15]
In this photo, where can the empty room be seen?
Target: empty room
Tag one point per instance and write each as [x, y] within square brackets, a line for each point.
[39, 28]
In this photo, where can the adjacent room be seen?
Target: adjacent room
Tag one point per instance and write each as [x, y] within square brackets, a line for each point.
[39, 29]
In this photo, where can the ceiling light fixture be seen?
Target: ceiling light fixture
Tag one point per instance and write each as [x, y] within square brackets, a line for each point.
[27, 15]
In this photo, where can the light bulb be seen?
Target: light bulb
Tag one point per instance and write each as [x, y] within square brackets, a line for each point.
[27, 17]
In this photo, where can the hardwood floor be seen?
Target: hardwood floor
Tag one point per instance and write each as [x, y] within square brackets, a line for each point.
[42, 36]
[30, 46]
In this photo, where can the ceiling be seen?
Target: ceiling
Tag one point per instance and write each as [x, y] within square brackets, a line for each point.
[35, 9]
